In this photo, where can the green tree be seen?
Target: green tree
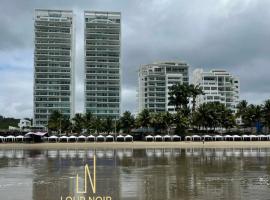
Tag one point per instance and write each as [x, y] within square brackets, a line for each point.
[78, 123]
[179, 95]
[88, 119]
[55, 121]
[127, 121]
[108, 125]
[266, 113]
[195, 91]
[181, 122]
[143, 119]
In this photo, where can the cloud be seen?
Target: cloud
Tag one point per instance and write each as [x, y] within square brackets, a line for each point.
[230, 34]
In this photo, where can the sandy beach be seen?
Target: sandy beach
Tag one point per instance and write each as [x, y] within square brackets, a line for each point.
[138, 145]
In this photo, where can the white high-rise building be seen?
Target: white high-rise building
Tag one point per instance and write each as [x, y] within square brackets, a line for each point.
[218, 86]
[102, 63]
[154, 83]
[53, 64]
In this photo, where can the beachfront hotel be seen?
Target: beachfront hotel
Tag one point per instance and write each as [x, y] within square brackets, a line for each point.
[218, 86]
[53, 64]
[154, 83]
[102, 63]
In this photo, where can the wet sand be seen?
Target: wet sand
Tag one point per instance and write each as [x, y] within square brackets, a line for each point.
[138, 145]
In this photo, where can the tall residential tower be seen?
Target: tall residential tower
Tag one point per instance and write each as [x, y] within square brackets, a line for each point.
[53, 64]
[102, 63]
[155, 81]
[218, 86]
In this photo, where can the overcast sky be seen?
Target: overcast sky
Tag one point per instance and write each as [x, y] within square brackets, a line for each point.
[229, 34]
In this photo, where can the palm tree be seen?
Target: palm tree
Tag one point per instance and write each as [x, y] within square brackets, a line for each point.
[167, 118]
[241, 108]
[127, 121]
[195, 91]
[88, 122]
[55, 120]
[97, 125]
[78, 123]
[266, 113]
[143, 119]
[108, 125]
[182, 122]
[179, 95]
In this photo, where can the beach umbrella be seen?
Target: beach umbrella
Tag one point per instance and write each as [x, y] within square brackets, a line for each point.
[53, 138]
[245, 137]
[91, 138]
[128, 138]
[72, 138]
[149, 138]
[158, 138]
[196, 138]
[2, 139]
[236, 137]
[120, 138]
[10, 138]
[228, 137]
[167, 138]
[64, 139]
[176, 138]
[262, 137]
[218, 137]
[254, 137]
[109, 138]
[188, 138]
[82, 138]
[207, 137]
[100, 138]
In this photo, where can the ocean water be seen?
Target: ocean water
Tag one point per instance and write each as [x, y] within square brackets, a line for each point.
[131, 174]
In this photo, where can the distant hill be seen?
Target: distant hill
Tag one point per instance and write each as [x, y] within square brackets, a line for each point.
[6, 122]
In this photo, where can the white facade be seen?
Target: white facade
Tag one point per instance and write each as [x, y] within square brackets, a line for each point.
[24, 123]
[102, 63]
[53, 64]
[155, 81]
[218, 86]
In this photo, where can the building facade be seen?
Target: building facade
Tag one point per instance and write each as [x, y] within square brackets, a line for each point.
[53, 64]
[218, 86]
[102, 63]
[155, 81]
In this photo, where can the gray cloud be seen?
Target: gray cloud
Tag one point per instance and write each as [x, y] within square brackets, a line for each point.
[230, 34]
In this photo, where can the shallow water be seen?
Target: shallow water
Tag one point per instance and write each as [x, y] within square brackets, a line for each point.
[137, 174]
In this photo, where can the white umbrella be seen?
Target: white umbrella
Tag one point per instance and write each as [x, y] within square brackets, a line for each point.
[91, 138]
[109, 138]
[218, 137]
[82, 137]
[176, 138]
[158, 138]
[62, 138]
[53, 137]
[195, 137]
[167, 138]
[120, 138]
[10, 137]
[188, 138]
[149, 138]
[100, 137]
[128, 138]
[236, 137]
